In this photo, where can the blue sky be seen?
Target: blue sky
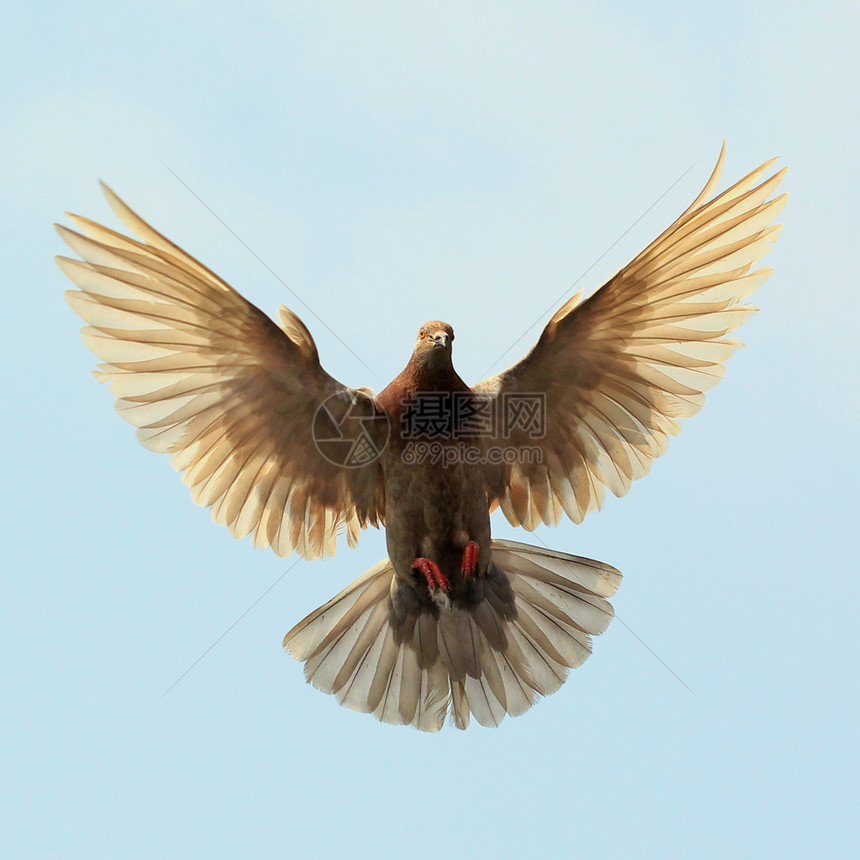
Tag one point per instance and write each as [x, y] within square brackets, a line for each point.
[394, 162]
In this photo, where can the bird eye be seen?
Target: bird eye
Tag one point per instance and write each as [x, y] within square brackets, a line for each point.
[422, 334]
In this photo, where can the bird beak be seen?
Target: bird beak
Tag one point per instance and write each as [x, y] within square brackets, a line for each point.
[440, 338]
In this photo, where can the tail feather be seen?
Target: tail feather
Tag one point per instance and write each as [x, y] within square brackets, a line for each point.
[410, 664]
[389, 669]
[353, 682]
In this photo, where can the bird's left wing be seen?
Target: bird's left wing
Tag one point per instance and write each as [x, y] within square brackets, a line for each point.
[596, 399]
[234, 399]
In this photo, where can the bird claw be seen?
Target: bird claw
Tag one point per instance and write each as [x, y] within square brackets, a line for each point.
[470, 558]
[434, 576]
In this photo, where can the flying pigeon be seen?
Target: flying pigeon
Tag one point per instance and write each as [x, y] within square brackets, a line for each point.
[452, 623]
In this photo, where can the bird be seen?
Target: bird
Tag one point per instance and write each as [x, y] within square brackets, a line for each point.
[453, 624]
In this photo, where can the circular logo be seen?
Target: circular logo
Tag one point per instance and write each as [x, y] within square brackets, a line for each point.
[349, 430]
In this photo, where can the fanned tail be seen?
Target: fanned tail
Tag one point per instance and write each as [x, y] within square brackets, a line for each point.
[530, 620]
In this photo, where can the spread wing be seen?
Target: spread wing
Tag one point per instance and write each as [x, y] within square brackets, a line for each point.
[209, 379]
[613, 374]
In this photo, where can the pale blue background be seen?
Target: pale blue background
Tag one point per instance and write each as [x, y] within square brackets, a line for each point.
[394, 162]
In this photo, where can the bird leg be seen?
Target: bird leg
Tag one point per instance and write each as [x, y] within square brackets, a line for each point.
[435, 578]
[470, 558]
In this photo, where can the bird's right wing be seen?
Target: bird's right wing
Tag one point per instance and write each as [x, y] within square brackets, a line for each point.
[239, 403]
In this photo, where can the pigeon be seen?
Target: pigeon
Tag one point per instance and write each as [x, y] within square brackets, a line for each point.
[453, 624]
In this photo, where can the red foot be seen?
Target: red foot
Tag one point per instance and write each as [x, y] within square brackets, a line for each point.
[470, 558]
[435, 578]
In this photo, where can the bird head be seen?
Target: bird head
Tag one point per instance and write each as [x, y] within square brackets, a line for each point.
[433, 344]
